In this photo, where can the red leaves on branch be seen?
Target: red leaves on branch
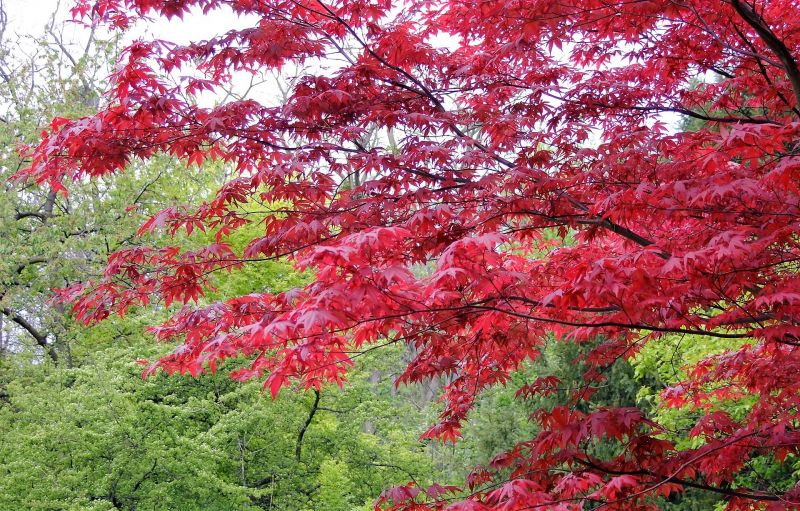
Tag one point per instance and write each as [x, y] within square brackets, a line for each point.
[521, 182]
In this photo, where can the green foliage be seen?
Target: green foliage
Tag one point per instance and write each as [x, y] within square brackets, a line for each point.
[100, 437]
[659, 365]
[87, 433]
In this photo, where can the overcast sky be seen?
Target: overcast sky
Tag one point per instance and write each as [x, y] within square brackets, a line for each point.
[29, 17]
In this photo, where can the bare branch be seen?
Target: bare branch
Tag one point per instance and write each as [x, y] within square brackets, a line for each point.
[38, 336]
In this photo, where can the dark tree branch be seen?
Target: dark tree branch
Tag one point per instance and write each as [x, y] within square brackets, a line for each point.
[696, 115]
[145, 476]
[314, 407]
[45, 211]
[38, 336]
[773, 43]
[763, 70]
[335, 410]
[31, 214]
[30, 262]
[740, 493]
[50, 202]
[262, 482]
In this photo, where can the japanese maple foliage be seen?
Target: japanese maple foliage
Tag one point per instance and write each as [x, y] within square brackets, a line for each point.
[521, 185]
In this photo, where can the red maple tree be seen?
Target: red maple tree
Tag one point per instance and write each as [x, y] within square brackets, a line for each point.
[536, 122]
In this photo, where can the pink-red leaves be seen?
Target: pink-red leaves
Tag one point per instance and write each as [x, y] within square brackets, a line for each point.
[476, 197]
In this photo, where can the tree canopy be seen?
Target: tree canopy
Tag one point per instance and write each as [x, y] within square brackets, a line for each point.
[478, 180]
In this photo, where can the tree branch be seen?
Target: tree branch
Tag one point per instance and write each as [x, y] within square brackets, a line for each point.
[740, 493]
[302, 433]
[773, 43]
[38, 336]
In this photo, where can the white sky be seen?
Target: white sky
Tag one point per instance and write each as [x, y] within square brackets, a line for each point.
[29, 17]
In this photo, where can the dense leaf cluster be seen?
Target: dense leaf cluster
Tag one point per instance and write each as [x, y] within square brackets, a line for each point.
[419, 164]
